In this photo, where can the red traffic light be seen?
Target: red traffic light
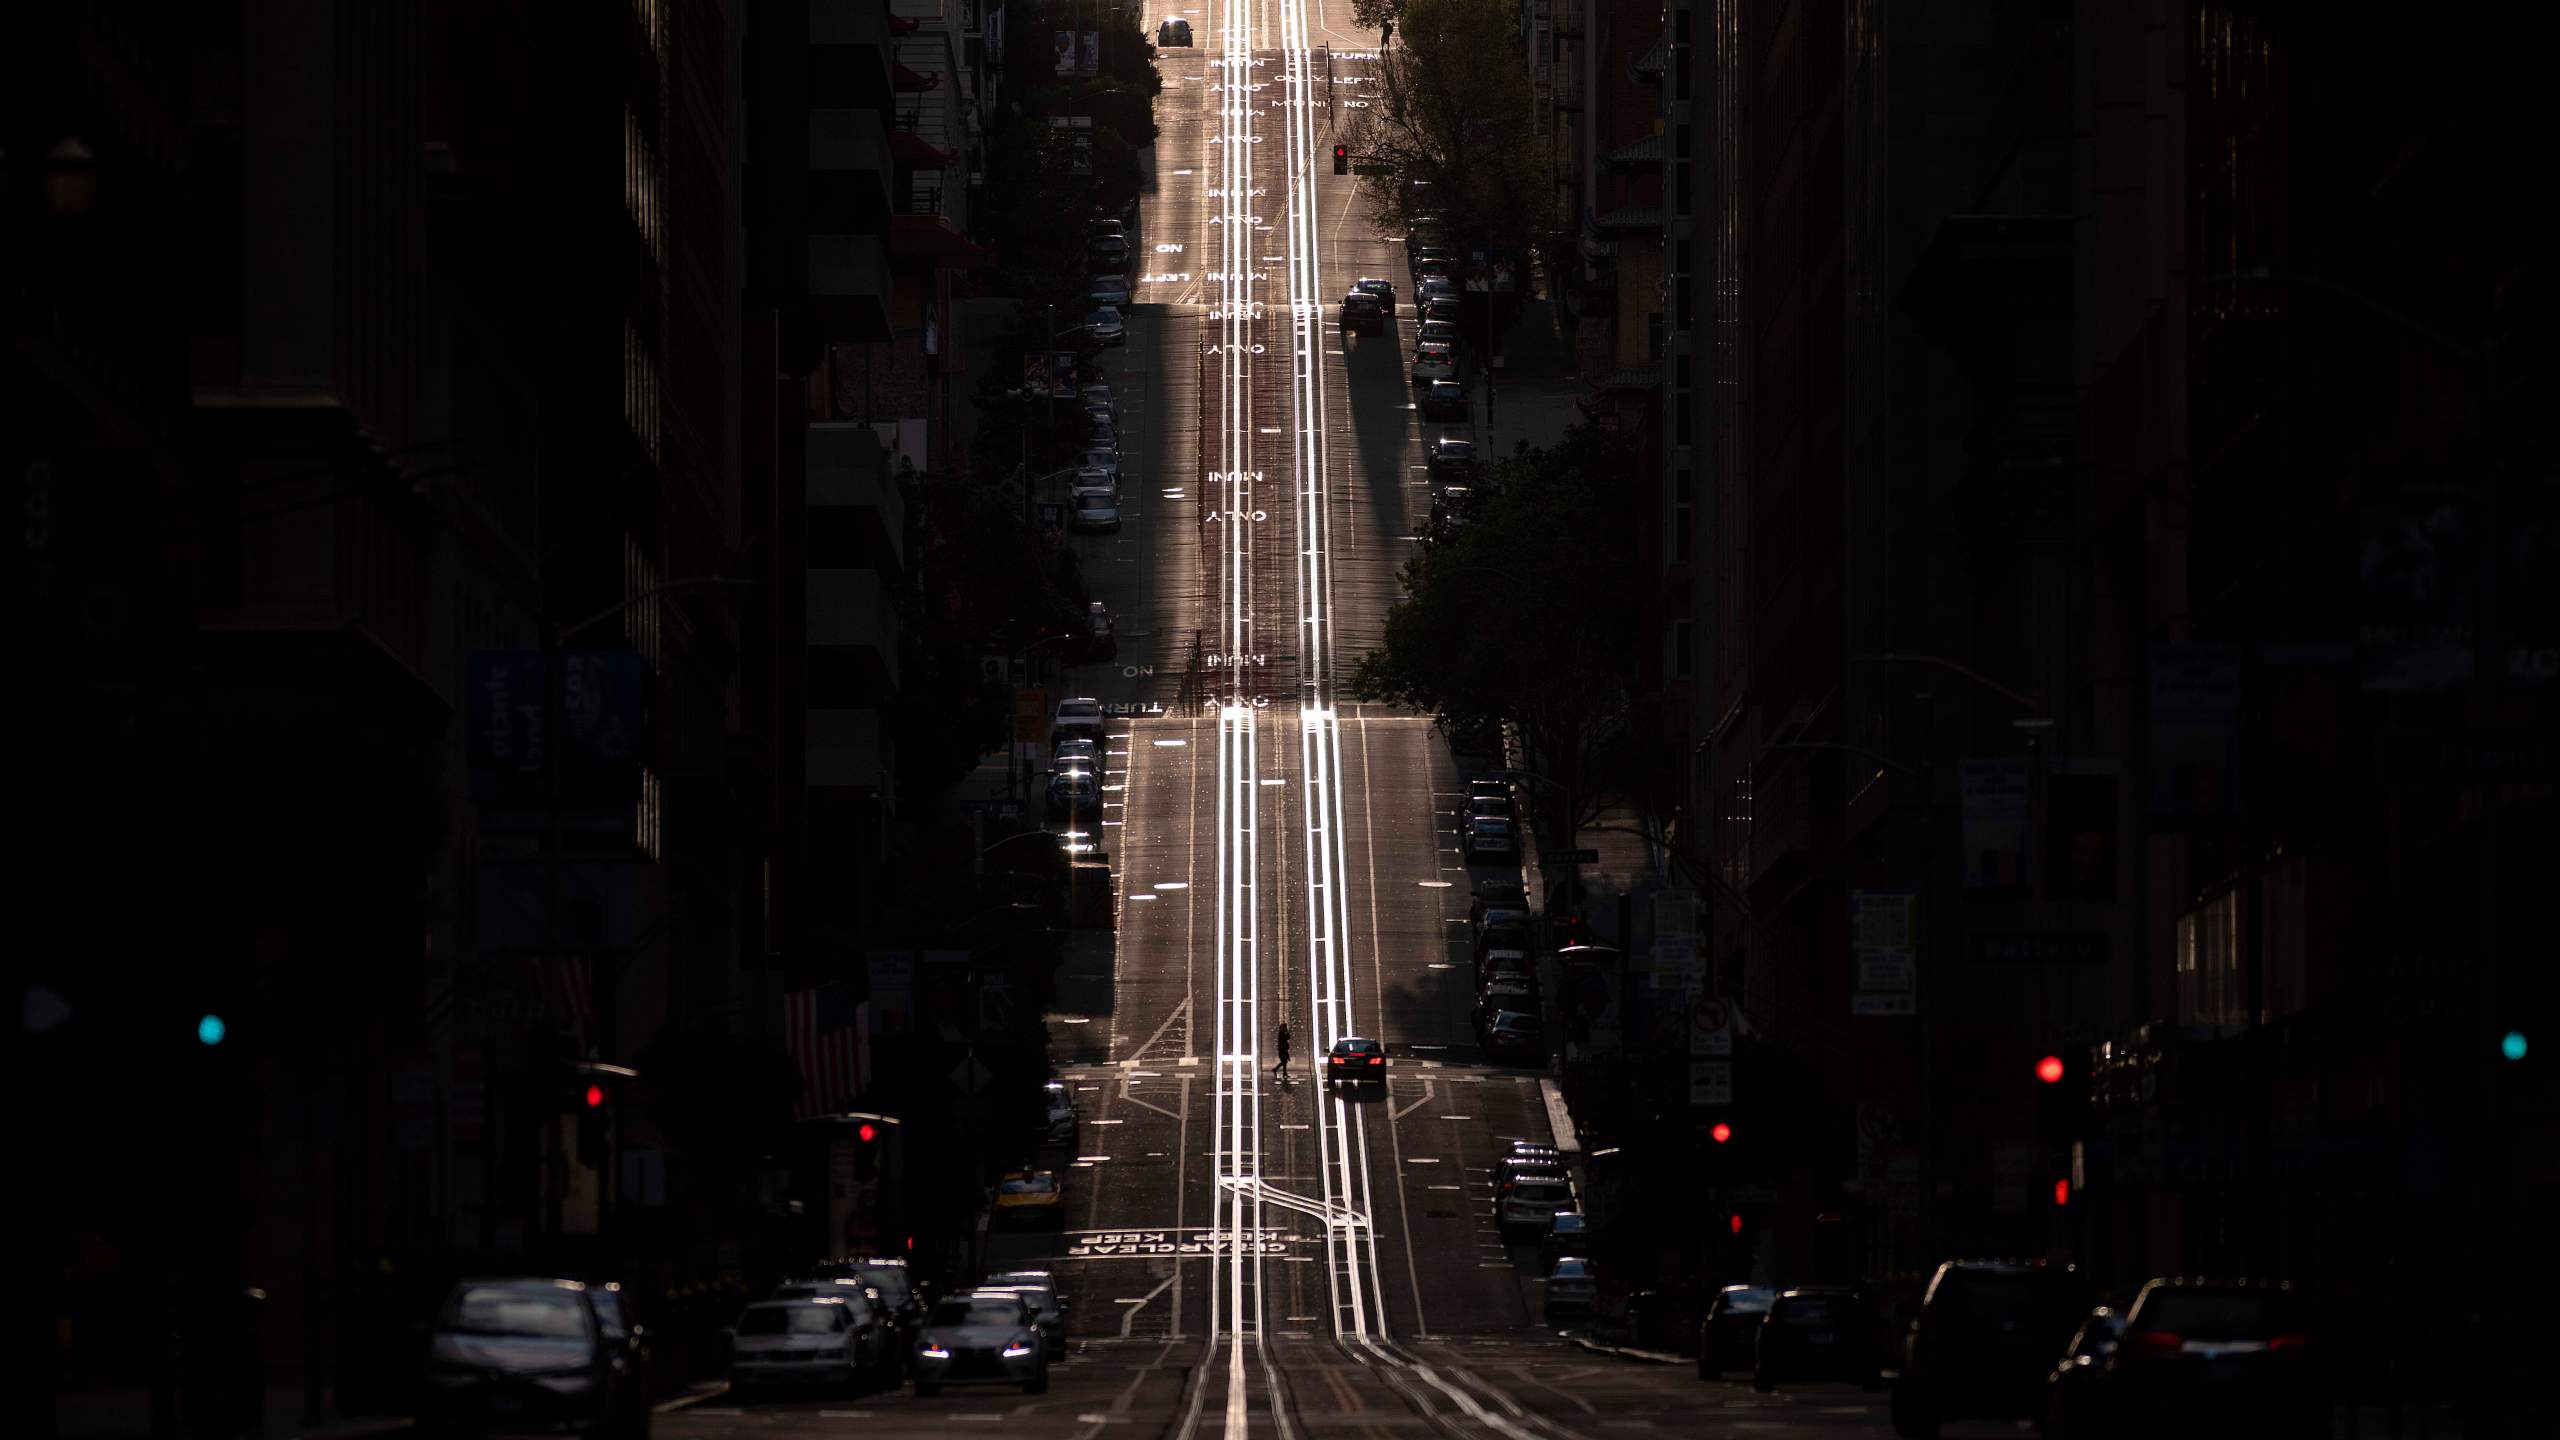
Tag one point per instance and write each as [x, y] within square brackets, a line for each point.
[868, 1132]
[595, 1097]
[2049, 1069]
[1721, 1133]
[1340, 151]
[1733, 1224]
[2061, 1192]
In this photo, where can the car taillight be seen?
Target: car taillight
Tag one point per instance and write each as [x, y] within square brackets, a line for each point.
[2290, 1342]
[2153, 1343]
[1377, 1059]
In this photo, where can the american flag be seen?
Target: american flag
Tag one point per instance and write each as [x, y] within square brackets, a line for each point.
[568, 992]
[825, 1030]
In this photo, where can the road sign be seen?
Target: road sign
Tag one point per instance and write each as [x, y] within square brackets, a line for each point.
[1582, 857]
[1711, 1027]
[1710, 1082]
[971, 1075]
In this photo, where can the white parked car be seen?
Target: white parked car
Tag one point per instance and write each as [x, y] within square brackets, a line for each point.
[1433, 361]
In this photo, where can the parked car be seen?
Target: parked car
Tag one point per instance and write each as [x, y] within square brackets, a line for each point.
[1100, 394]
[1451, 507]
[1568, 1233]
[2240, 1351]
[1512, 1036]
[1437, 332]
[1433, 360]
[1355, 1060]
[527, 1353]
[1445, 401]
[1450, 460]
[1424, 253]
[1364, 311]
[1109, 289]
[1522, 1206]
[1571, 1289]
[1076, 715]
[990, 1336]
[1106, 327]
[1516, 1164]
[823, 1332]
[1438, 307]
[1095, 509]
[1816, 1332]
[1058, 1117]
[1077, 752]
[1438, 288]
[2075, 1404]
[1173, 32]
[1108, 255]
[1074, 795]
[1731, 1326]
[1488, 839]
[1504, 930]
[1498, 895]
[1508, 992]
[1985, 1336]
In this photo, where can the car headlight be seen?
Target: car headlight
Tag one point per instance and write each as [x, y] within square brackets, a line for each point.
[934, 1352]
[1016, 1352]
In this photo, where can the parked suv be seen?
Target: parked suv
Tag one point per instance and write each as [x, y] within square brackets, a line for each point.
[1985, 1337]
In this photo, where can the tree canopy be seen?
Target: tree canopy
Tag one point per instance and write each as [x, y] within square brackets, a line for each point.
[1454, 123]
[1529, 611]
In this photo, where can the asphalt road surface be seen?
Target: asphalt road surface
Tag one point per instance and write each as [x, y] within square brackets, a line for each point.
[1247, 1253]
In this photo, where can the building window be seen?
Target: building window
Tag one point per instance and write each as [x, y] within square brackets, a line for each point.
[1681, 510]
[640, 188]
[640, 613]
[648, 818]
[640, 390]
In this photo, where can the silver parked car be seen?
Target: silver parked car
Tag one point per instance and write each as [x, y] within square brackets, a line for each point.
[1096, 510]
[988, 1336]
[1049, 1310]
[823, 1338]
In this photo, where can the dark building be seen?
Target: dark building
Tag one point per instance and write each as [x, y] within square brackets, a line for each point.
[2122, 589]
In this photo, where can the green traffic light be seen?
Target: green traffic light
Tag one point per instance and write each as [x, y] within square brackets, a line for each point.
[2513, 1045]
[210, 1030]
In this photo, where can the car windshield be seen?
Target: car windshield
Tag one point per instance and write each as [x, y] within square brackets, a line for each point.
[1573, 1269]
[989, 1311]
[792, 1320]
[2221, 1314]
[1029, 1185]
[1093, 502]
[548, 1314]
[1810, 1309]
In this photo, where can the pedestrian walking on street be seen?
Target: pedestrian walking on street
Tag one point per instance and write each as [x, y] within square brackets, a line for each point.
[1280, 1042]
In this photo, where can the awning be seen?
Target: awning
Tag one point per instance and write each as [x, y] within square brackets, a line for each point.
[933, 237]
[906, 24]
[1647, 151]
[909, 80]
[907, 145]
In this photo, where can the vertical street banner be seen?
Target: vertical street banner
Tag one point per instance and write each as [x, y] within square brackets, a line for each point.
[1062, 374]
[2080, 824]
[893, 993]
[1884, 945]
[1035, 372]
[1995, 826]
[1090, 62]
[1066, 52]
[2195, 729]
[2417, 577]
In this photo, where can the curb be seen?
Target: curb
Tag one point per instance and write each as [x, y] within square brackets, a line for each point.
[707, 1390]
[1649, 1357]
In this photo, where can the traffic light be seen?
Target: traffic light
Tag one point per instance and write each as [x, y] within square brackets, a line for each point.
[1733, 1223]
[1341, 159]
[211, 1030]
[2049, 1069]
[2512, 1045]
[1721, 1133]
[2062, 1192]
[866, 1153]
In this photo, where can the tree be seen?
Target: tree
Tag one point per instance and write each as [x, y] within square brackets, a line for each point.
[1528, 612]
[1454, 126]
[1376, 14]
